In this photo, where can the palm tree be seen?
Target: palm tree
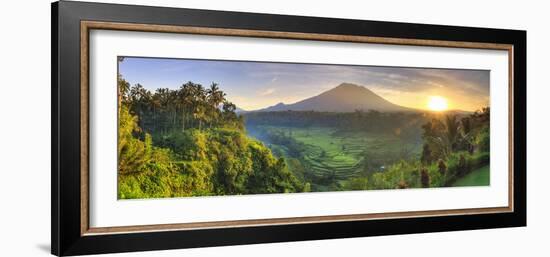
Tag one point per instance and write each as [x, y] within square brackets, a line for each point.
[442, 137]
[184, 101]
[163, 96]
[123, 88]
[452, 130]
[214, 98]
[215, 95]
[140, 98]
[467, 135]
[199, 100]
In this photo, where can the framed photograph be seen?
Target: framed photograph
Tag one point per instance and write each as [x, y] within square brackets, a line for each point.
[178, 128]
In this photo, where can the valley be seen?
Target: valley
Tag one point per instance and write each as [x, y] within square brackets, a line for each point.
[327, 156]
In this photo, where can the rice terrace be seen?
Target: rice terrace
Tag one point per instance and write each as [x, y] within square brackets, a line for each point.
[334, 156]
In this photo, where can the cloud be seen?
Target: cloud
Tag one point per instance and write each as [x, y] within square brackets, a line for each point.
[259, 84]
[267, 92]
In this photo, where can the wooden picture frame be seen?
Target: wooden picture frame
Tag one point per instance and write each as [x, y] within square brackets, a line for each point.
[71, 25]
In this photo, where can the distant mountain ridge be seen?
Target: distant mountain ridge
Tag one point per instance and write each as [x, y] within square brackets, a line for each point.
[346, 97]
[240, 110]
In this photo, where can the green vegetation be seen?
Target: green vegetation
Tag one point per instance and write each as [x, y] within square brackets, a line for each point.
[190, 142]
[328, 157]
[453, 148]
[332, 157]
[476, 177]
[406, 125]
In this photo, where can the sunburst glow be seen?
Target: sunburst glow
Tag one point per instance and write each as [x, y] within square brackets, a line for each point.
[437, 103]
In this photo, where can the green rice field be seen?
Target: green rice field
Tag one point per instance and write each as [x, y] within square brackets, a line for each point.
[340, 155]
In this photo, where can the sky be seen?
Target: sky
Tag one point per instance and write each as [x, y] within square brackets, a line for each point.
[256, 85]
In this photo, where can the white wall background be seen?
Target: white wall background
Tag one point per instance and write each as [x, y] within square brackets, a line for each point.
[25, 127]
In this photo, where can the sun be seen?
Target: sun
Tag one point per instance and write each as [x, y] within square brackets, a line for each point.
[437, 103]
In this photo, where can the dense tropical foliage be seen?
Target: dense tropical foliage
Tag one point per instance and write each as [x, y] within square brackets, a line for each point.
[190, 142]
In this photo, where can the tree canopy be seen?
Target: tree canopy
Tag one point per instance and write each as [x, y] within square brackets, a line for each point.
[190, 142]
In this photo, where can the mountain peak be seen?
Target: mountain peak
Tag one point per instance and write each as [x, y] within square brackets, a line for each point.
[346, 97]
[348, 86]
[350, 91]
